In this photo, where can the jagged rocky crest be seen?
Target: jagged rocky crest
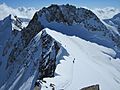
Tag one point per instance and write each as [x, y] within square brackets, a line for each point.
[50, 50]
[70, 15]
[38, 56]
[32, 29]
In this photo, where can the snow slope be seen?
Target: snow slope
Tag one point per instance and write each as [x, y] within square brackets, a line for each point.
[93, 64]
[5, 30]
[21, 65]
[9, 24]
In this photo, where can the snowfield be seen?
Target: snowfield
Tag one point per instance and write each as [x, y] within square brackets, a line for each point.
[83, 64]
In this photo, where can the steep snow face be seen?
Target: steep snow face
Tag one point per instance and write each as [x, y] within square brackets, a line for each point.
[5, 30]
[22, 64]
[84, 64]
[9, 25]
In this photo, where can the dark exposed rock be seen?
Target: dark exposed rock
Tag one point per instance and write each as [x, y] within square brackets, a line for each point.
[17, 22]
[50, 50]
[69, 15]
[33, 28]
[93, 87]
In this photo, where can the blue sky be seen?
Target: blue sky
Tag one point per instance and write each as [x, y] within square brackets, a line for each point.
[78, 3]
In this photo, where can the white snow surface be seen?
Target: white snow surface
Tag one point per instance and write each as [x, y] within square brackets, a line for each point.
[93, 64]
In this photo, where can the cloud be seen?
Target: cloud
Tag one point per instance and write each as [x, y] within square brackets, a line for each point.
[20, 11]
[106, 13]
[103, 13]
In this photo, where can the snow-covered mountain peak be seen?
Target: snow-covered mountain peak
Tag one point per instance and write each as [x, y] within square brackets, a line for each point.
[70, 20]
[71, 45]
[71, 15]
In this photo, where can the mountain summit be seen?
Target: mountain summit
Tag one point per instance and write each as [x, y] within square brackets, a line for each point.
[70, 20]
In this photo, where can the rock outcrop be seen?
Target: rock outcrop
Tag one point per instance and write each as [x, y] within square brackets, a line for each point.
[93, 87]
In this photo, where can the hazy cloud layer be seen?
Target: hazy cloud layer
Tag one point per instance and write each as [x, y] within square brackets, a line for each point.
[106, 13]
[103, 13]
[21, 11]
